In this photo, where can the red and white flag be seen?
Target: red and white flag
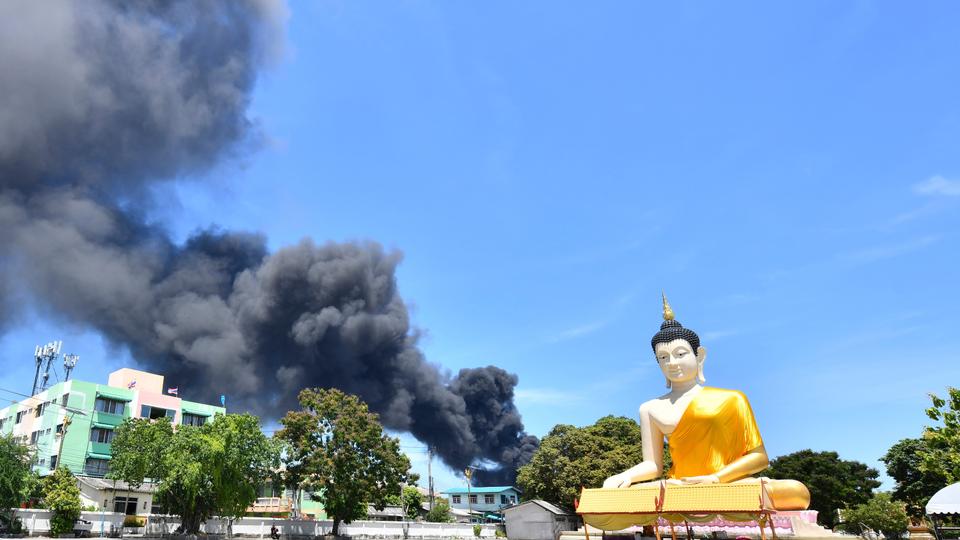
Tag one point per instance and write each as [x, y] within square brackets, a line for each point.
[172, 391]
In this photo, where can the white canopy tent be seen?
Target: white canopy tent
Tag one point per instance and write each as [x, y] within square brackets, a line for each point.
[944, 502]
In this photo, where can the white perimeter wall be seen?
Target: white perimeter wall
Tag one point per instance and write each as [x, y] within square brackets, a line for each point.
[38, 522]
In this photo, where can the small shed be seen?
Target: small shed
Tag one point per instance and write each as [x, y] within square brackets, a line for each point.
[538, 520]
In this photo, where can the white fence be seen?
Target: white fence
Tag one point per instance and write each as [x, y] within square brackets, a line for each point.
[37, 522]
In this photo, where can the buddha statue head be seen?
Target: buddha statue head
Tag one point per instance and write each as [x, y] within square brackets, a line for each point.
[678, 350]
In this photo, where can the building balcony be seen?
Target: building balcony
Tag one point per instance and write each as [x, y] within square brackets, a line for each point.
[271, 505]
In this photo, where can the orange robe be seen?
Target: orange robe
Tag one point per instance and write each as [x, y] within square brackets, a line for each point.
[717, 428]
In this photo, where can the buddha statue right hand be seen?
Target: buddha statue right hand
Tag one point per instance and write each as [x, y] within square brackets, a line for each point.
[621, 480]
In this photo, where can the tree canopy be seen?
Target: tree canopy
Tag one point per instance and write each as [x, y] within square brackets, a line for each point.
[411, 501]
[137, 449]
[62, 497]
[14, 475]
[213, 469]
[336, 447]
[834, 483]
[914, 485]
[941, 456]
[570, 458]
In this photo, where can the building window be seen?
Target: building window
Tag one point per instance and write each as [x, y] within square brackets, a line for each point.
[513, 499]
[63, 400]
[96, 467]
[101, 435]
[38, 412]
[20, 416]
[109, 406]
[35, 435]
[488, 499]
[155, 508]
[53, 462]
[473, 499]
[503, 499]
[125, 505]
[193, 419]
[59, 429]
[154, 413]
[456, 499]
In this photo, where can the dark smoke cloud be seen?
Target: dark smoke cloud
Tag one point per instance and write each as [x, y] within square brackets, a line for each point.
[101, 100]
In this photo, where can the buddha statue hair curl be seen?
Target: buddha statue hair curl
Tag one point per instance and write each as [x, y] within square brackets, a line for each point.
[671, 330]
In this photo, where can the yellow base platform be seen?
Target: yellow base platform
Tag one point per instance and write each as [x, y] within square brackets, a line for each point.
[616, 509]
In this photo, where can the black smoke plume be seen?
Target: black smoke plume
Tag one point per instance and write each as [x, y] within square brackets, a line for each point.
[102, 100]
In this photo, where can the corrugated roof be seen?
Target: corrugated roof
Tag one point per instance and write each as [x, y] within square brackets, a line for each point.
[542, 504]
[120, 485]
[388, 511]
[490, 489]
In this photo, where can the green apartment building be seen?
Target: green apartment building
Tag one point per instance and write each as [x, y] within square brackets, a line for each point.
[71, 425]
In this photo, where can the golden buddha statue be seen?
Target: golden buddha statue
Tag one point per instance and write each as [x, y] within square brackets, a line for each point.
[711, 432]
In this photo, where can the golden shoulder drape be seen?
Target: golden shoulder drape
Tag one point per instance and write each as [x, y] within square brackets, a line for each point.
[717, 428]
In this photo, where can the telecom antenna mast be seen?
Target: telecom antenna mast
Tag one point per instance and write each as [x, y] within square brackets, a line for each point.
[44, 356]
[69, 362]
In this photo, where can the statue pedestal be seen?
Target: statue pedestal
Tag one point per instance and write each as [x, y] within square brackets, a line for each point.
[738, 509]
[920, 532]
[793, 524]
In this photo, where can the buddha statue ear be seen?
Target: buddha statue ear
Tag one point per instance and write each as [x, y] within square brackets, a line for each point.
[701, 356]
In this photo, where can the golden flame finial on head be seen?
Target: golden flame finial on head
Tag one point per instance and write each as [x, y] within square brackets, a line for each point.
[667, 311]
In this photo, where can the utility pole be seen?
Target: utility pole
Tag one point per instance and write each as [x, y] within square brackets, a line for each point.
[469, 473]
[63, 435]
[430, 474]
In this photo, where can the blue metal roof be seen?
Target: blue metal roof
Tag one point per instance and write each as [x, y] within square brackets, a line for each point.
[491, 489]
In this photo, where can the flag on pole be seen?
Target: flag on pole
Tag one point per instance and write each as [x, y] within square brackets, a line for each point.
[173, 391]
[132, 383]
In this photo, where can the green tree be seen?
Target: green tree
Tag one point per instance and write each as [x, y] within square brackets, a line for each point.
[339, 448]
[244, 457]
[880, 514]
[440, 513]
[914, 486]
[137, 447]
[15, 476]
[411, 501]
[834, 483]
[941, 457]
[214, 469]
[571, 458]
[62, 497]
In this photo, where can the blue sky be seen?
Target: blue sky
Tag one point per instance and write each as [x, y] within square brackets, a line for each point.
[789, 174]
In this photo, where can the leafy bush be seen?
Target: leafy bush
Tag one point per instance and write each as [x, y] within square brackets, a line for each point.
[500, 533]
[879, 514]
[477, 529]
[440, 512]
[11, 524]
[133, 521]
[62, 496]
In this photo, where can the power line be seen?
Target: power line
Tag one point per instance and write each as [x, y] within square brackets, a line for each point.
[40, 400]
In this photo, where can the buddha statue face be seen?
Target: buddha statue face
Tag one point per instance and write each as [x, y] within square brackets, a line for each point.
[679, 362]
